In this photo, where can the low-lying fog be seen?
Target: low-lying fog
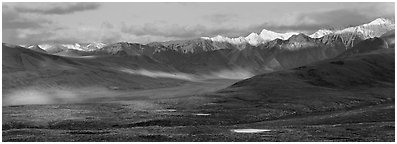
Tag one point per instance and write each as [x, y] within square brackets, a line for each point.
[54, 95]
[59, 95]
[62, 95]
[223, 74]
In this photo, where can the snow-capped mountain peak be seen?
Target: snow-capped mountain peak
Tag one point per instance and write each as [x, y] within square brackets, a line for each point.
[270, 35]
[76, 46]
[98, 45]
[220, 38]
[320, 33]
[380, 21]
[372, 29]
[254, 38]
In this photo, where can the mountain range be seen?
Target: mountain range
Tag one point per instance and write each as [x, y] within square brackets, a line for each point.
[244, 56]
[372, 29]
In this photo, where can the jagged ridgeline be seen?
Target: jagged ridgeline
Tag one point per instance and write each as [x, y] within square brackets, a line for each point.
[254, 54]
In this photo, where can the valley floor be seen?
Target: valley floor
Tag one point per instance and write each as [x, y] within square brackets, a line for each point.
[182, 113]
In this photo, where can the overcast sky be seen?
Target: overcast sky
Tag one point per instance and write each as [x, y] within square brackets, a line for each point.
[37, 23]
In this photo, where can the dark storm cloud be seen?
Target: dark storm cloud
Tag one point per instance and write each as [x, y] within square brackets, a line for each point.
[57, 9]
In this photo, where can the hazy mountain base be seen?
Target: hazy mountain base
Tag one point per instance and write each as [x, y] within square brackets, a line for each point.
[30, 77]
[348, 99]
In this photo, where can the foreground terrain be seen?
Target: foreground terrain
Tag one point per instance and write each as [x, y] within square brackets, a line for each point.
[342, 99]
[126, 122]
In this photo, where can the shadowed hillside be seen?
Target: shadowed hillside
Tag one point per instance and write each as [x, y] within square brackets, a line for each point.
[333, 84]
[26, 71]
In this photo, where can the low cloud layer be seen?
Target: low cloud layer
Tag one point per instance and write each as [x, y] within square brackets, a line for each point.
[300, 22]
[333, 19]
[178, 31]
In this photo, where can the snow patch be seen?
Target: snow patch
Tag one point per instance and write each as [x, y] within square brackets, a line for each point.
[45, 46]
[202, 114]
[250, 130]
[166, 110]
